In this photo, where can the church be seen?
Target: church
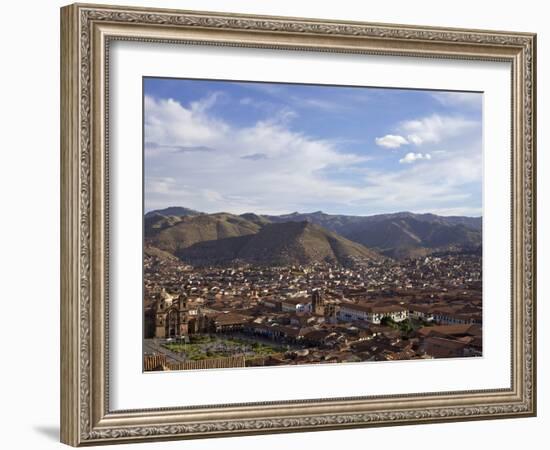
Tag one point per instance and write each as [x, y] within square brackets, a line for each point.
[174, 319]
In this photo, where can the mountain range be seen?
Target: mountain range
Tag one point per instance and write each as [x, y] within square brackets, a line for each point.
[303, 238]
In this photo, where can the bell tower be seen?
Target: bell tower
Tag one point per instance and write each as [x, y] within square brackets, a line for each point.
[183, 313]
[317, 303]
[160, 319]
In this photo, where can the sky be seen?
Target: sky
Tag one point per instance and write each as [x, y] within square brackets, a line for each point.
[273, 148]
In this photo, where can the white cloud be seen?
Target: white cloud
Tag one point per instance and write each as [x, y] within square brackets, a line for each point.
[270, 168]
[318, 104]
[415, 139]
[345, 101]
[204, 104]
[212, 196]
[466, 99]
[459, 211]
[427, 130]
[169, 124]
[160, 185]
[412, 157]
[257, 168]
[391, 141]
[451, 181]
[435, 128]
[284, 116]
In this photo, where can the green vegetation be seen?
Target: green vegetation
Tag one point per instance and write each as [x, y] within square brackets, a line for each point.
[264, 350]
[406, 327]
[387, 321]
[203, 346]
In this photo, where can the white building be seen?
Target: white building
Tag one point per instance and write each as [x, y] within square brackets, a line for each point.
[371, 313]
[449, 318]
[296, 304]
[421, 312]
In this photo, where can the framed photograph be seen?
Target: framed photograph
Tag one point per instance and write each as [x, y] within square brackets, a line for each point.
[276, 224]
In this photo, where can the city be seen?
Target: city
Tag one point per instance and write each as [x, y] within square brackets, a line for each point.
[288, 224]
[246, 316]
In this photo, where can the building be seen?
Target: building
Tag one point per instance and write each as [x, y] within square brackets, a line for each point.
[439, 347]
[229, 322]
[371, 313]
[454, 316]
[272, 303]
[421, 312]
[171, 316]
[352, 312]
[447, 341]
[174, 318]
[331, 313]
[296, 304]
[317, 303]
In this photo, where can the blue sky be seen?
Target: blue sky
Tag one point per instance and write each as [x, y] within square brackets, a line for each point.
[277, 148]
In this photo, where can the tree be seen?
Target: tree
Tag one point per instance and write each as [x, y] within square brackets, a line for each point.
[406, 327]
[388, 322]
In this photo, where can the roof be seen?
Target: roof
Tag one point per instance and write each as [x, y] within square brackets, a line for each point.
[421, 308]
[296, 300]
[449, 344]
[356, 307]
[451, 330]
[316, 335]
[448, 310]
[377, 309]
[230, 319]
[388, 309]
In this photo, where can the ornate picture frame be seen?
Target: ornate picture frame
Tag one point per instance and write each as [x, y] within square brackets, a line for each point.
[87, 31]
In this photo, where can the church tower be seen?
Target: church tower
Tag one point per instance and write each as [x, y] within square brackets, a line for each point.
[183, 312]
[330, 313]
[160, 318]
[317, 303]
[172, 316]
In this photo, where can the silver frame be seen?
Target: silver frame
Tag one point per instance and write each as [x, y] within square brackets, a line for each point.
[86, 33]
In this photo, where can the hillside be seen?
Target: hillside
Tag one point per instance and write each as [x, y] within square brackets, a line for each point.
[190, 230]
[401, 234]
[178, 211]
[342, 223]
[284, 243]
[397, 235]
[155, 221]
